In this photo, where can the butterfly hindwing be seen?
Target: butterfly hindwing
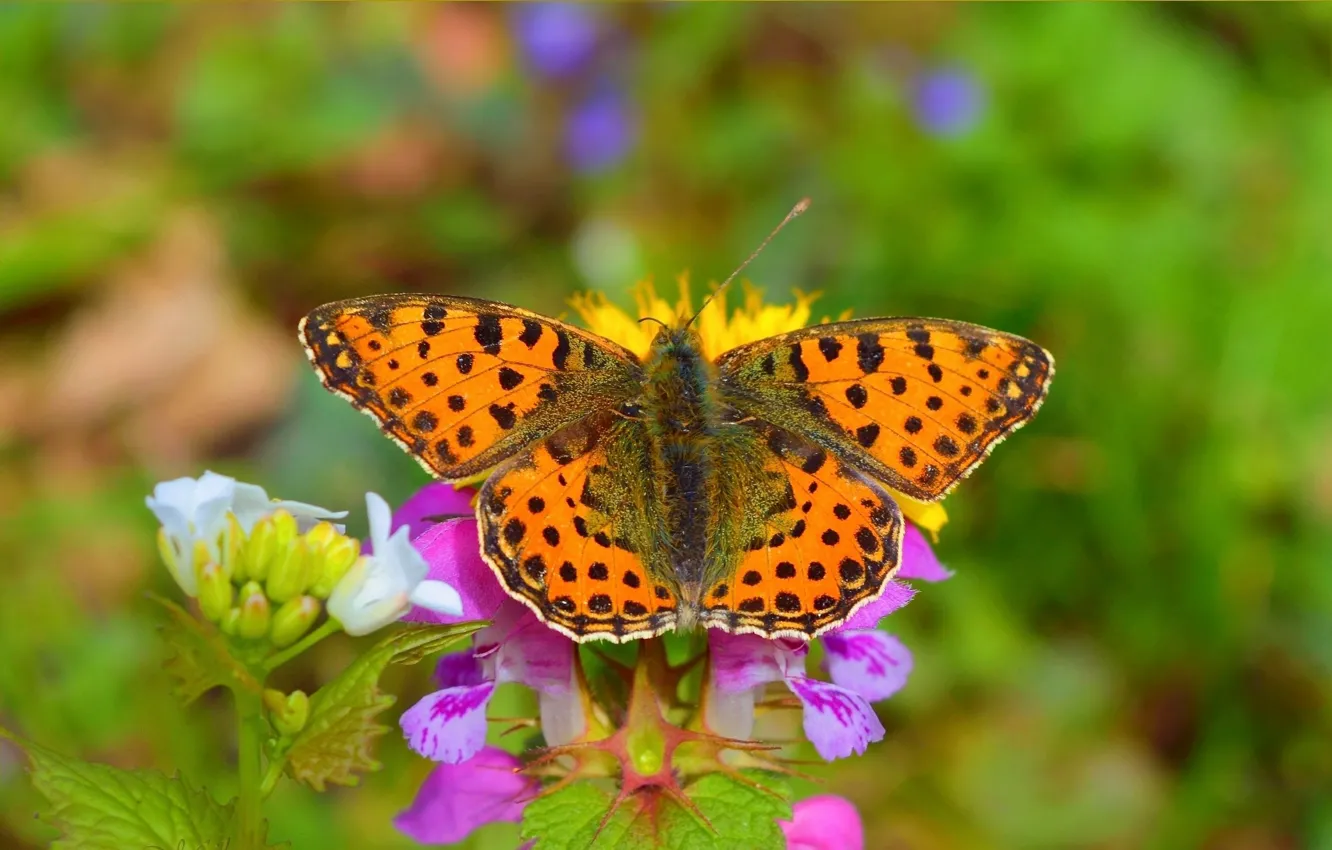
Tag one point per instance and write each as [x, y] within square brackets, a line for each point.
[566, 524]
[919, 403]
[830, 540]
[462, 383]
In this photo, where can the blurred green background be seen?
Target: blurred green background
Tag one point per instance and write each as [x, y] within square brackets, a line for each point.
[1137, 648]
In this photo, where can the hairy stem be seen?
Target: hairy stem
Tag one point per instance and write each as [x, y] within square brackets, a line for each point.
[249, 759]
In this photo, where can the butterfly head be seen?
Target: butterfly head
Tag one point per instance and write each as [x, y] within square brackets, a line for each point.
[673, 343]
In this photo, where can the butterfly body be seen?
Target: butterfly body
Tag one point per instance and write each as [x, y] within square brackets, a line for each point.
[630, 496]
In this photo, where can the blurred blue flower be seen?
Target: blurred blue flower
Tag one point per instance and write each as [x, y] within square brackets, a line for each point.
[599, 131]
[947, 101]
[557, 39]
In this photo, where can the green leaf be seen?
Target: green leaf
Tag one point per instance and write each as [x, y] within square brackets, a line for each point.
[572, 817]
[337, 744]
[201, 659]
[737, 814]
[98, 807]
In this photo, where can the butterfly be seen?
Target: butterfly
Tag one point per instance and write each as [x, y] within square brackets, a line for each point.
[628, 496]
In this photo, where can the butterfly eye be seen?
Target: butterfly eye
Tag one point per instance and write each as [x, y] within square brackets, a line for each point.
[630, 410]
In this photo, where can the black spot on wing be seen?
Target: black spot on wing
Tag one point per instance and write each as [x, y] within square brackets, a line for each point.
[531, 332]
[869, 352]
[830, 348]
[560, 356]
[503, 416]
[857, 395]
[797, 362]
[509, 378]
[488, 332]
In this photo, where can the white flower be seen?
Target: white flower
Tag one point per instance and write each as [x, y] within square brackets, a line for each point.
[380, 588]
[194, 510]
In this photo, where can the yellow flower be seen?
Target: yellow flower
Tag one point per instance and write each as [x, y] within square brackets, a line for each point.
[752, 321]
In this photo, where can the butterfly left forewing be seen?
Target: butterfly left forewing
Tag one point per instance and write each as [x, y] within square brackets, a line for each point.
[568, 528]
[918, 403]
[825, 539]
[462, 383]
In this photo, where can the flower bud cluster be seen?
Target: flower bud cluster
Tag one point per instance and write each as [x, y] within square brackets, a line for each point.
[267, 570]
[270, 584]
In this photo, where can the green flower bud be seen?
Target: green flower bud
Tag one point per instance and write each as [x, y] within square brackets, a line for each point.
[321, 536]
[338, 559]
[289, 575]
[289, 712]
[233, 540]
[200, 556]
[294, 619]
[259, 551]
[255, 612]
[285, 528]
[230, 623]
[214, 591]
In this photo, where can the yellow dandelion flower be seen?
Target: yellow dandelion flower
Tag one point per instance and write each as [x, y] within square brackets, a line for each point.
[752, 321]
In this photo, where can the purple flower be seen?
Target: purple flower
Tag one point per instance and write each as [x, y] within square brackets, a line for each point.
[456, 799]
[864, 664]
[838, 721]
[947, 101]
[599, 131]
[874, 664]
[825, 822]
[449, 725]
[556, 39]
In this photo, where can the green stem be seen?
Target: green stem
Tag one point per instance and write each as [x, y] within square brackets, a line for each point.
[271, 777]
[249, 806]
[278, 659]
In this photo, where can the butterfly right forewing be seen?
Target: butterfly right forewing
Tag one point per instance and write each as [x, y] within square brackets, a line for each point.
[918, 403]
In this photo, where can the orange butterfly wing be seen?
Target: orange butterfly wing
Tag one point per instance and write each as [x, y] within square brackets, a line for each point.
[570, 538]
[917, 403]
[461, 383]
[830, 542]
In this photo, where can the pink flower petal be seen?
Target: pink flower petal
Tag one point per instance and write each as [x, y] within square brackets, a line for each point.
[453, 555]
[894, 596]
[742, 662]
[562, 717]
[456, 799]
[825, 822]
[873, 664]
[731, 714]
[918, 558]
[838, 722]
[530, 652]
[458, 669]
[450, 725]
[431, 505]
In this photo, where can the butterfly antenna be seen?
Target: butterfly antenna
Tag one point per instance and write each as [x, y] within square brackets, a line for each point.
[795, 211]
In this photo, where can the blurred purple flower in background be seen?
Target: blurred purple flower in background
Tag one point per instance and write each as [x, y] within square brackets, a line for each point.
[599, 131]
[947, 101]
[556, 39]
